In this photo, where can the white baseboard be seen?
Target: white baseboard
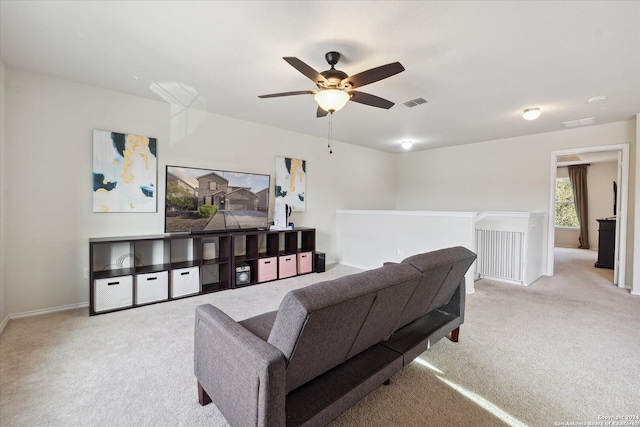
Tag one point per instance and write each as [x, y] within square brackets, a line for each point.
[48, 310]
[4, 323]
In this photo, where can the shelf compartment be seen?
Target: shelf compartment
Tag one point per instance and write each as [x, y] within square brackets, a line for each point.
[214, 277]
[210, 288]
[253, 268]
[290, 239]
[272, 247]
[307, 240]
[113, 273]
[152, 268]
[215, 261]
[183, 264]
[182, 251]
[112, 256]
[151, 253]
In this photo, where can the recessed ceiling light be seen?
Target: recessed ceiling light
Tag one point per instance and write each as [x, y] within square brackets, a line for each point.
[531, 113]
[407, 144]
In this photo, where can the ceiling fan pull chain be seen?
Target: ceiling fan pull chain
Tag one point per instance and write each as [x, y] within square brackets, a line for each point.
[330, 145]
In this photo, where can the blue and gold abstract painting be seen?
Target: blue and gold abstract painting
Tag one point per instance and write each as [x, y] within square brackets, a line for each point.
[291, 183]
[124, 172]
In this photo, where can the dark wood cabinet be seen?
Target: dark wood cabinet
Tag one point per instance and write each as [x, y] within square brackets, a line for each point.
[606, 243]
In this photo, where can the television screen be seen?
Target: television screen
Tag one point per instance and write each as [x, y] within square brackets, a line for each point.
[207, 200]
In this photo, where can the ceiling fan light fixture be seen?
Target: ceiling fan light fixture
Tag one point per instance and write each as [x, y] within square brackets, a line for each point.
[331, 100]
[406, 144]
[531, 113]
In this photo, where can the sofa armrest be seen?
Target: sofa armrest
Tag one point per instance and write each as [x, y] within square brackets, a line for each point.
[233, 367]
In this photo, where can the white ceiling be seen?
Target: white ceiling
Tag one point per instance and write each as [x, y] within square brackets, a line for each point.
[477, 63]
[588, 158]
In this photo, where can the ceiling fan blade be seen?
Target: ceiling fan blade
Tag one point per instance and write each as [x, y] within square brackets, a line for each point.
[299, 92]
[321, 112]
[372, 100]
[312, 74]
[373, 75]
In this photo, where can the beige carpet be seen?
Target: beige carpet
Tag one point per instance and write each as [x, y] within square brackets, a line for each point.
[565, 349]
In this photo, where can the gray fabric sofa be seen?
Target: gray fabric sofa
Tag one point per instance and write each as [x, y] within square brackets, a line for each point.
[329, 344]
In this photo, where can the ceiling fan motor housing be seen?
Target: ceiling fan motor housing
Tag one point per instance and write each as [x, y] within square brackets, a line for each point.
[332, 58]
[333, 76]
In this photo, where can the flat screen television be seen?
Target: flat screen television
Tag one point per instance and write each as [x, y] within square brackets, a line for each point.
[209, 200]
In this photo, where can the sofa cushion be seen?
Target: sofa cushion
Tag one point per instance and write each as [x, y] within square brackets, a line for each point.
[423, 294]
[320, 326]
[396, 285]
[443, 270]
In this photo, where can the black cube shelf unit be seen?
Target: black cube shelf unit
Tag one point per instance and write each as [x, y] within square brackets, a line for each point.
[131, 271]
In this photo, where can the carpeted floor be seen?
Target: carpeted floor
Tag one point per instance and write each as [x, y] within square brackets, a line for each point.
[565, 349]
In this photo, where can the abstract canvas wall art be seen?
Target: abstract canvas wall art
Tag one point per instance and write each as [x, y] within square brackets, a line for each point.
[124, 172]
[291, 182]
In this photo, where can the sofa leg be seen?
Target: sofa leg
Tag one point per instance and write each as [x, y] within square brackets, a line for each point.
[455, 334]
[203, 397]
[387, 382]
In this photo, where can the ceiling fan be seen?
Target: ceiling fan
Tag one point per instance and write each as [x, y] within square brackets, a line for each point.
[336, 87]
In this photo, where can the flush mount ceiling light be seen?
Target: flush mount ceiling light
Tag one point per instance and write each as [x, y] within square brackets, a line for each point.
[531, 113]
[407, 144]
[331, 100]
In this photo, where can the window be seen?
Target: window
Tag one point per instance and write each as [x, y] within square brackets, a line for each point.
[565, 208]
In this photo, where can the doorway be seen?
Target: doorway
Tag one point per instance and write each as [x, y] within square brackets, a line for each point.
[622, 152]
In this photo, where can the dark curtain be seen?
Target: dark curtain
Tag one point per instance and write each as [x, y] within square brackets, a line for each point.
[578, 177]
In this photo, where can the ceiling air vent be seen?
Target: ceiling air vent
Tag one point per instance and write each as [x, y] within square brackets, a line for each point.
[579, 122]
[415, 102]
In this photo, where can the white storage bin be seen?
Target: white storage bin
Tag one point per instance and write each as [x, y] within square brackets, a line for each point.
[152, 287]
[112, 293]
[185, 281]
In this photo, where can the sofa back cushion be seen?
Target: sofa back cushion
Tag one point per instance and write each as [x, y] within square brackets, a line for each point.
[321, 326]
[442, 272]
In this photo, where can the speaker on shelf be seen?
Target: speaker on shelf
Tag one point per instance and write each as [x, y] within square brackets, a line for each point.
[319, 262]
[243, 274]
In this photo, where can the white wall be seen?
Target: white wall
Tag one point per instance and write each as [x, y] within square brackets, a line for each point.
[502, 175]
[634, 229]
[369, 238]
[600, 177]
[47, 211]
[4, 311]
[49, 202]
